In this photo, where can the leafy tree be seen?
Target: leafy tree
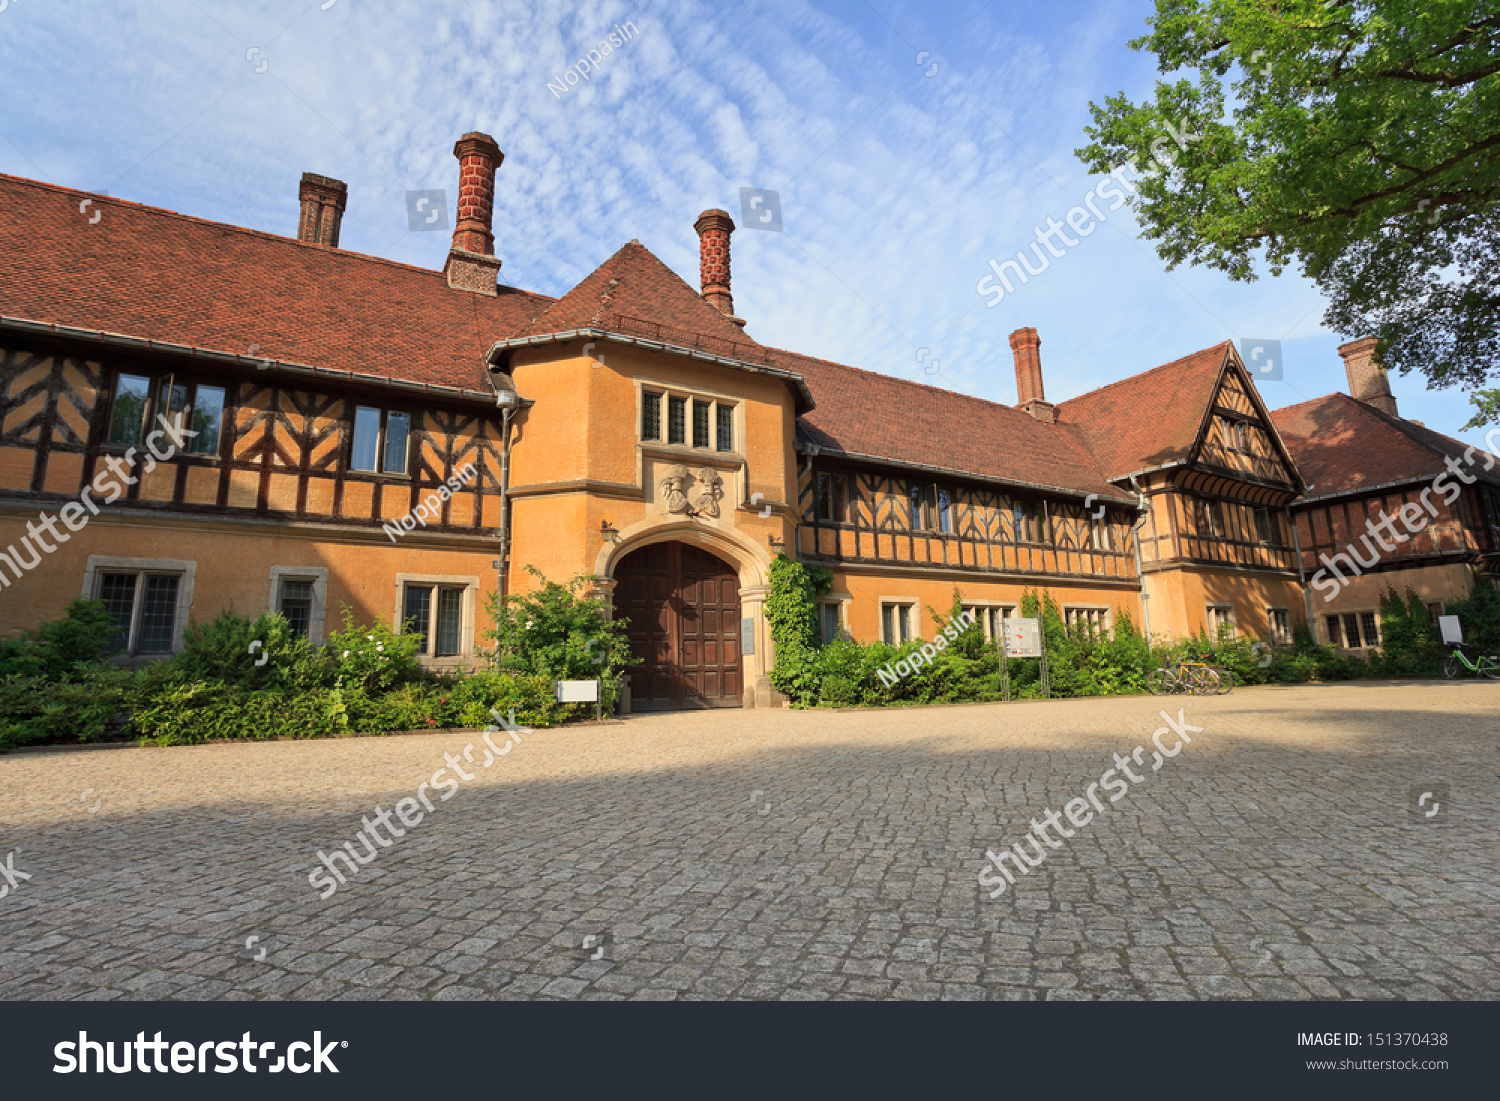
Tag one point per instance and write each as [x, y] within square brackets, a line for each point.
[1358, 138]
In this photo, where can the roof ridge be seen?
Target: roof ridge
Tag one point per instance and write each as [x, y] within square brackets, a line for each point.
[634, 284]
[901, 380]
[1404, 425]
[1309, 401]
[1143, 374]
[247, 230]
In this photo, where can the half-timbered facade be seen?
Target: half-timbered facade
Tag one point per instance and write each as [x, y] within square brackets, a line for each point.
[372, 439]
[1354, 542]
[1216, 545]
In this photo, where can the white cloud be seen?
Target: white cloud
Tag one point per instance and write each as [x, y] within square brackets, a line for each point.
[896, 187]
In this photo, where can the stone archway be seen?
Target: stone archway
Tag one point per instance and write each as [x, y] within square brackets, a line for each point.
[750, 566]
[683, 605]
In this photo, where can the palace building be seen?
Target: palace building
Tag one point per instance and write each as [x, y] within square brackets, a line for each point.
[634, 433]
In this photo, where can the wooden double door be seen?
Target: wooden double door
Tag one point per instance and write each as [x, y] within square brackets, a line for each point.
[684, 609]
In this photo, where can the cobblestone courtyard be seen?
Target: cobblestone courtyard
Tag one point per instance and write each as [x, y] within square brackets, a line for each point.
[752, 854]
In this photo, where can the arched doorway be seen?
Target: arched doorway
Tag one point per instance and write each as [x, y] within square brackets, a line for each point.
[684, 609]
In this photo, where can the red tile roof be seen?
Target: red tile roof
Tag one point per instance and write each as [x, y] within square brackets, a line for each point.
[1150, 419]
[865, 413]
[150, 273]
[1342, 445]
[633, 283]
[145, 272]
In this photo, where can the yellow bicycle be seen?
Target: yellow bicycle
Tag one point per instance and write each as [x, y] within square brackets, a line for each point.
[1196, 678]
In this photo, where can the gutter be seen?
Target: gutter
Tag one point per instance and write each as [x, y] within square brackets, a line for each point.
[500, 352]
[1153, 469]
[1418, 480]
[227, 359]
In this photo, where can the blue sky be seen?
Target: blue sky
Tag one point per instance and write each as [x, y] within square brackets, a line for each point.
[896, 186]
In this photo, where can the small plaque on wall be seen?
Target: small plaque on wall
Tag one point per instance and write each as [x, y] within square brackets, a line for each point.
[747, 636]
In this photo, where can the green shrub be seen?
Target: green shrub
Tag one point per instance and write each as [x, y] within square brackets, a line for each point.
[846, 673]
[78, 709]
[1410, 642]
[188, 713]
[553, 633]
[410, 707]
[1479, 614]
[477, 698]
[219, 650]
[373, 659]
[60, 646]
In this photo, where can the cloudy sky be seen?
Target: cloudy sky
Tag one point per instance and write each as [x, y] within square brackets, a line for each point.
[898, 179]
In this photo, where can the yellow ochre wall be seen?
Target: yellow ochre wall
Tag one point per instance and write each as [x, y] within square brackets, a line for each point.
[577, 459]
[1179, 599]
[869, 591]
[1445, 583]
[234, 566]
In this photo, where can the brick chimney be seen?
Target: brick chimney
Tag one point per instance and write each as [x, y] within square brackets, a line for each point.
[472, 264]
[323, 200]
[1026, 346]
[1367, 381]
[714, 228]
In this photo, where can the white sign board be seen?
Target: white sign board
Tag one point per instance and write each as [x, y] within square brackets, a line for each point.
[1452, 630]
[1022, 638]
[577, 691]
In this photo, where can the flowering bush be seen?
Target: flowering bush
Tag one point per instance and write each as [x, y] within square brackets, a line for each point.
[554, 634]
[372, 659]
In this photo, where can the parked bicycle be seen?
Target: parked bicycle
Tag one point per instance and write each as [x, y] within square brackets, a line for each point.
[1194, 678]
[1486, 665]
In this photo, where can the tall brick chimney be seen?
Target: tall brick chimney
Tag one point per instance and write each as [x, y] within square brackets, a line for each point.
[472, 264]
[714, 228]
[1026, 346]
[1367, 381]
[323, 200]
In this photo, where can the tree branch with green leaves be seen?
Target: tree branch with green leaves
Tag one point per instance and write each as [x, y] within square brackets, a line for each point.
[1357, 139]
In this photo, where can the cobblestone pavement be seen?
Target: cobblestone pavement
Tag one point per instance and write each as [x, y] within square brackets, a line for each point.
[783, 854]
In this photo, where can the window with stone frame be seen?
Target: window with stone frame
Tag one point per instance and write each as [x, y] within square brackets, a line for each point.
[1095, 620]
[1221, 621]
[701, 422]
[1279, 624]
[896, 622]
[147, 601]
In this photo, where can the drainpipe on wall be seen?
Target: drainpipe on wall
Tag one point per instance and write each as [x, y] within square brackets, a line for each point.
[1301, 573]
[1135, 543]
[508, 401]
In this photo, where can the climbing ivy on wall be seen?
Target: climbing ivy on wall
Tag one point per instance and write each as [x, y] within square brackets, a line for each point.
[792, 612]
